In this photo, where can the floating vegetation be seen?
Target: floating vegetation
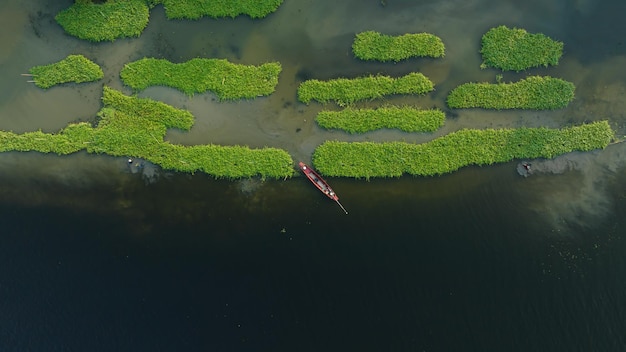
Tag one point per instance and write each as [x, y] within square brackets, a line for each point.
[113, 19]
[516, 50]
[372, 45]
[456, 150]
[194, 9]
[534, 92]
[71, 139]
[225, 79]
[136, 127]
[74, 68]
[405, 118]
[108, 21]
[347, 91]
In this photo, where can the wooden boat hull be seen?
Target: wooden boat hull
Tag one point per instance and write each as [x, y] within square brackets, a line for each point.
[320, 183]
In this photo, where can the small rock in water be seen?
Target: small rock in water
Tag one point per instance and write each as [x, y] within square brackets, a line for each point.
[149, 172]
[558, 165]
[524, 169]
[135, 165]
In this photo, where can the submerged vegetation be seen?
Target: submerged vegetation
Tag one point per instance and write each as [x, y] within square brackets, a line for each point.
[516, 50]
[372, 45]
[534, 92]
[347, 91]
[225, 79]
[136, 127]
[74, 68]
[108, 21]
[115, 19]
[456, 150]
[406, 118]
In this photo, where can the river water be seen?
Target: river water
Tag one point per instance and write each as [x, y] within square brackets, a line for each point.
[96, 257]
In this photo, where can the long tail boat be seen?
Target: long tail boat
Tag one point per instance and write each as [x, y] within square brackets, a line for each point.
[320, 183]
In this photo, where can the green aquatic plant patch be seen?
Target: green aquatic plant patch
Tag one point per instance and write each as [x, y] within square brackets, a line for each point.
[146, 109]
[194, 9]
[456, 150]
[108, 21]
[346, 91]
[517, 50]
[113, 19]
[534, 92]
[227, 80]
[372, 45]
[70, 140]
[136, 127]
[74, 68]
[404, 118]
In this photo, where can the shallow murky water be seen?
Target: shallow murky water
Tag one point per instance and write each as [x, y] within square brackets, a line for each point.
[310, 41]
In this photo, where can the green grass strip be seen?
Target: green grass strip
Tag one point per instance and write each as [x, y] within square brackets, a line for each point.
[105, 22]
[147, 109]
[74, 68]
[115, 19]
[406, 118]
[130, 127]
[517, 50]
[135, 127]
[194, 9]
[347, 91]
[456, 150]
[71, 139]
[534, 92]
[372, 45]
[225, 79]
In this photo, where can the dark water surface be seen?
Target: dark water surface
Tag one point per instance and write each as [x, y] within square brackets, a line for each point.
[94, 257]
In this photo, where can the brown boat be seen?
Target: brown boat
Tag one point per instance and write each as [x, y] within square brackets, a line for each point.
[320, 183]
